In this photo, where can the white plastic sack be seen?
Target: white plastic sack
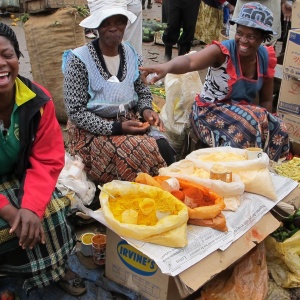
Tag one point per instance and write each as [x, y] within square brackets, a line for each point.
[72, 181]
[254, 173]
[181, 91]
[230, 191]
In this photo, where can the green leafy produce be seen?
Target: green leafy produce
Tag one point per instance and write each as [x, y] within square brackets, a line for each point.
[82, 10]
[289, 227]
[24, 17]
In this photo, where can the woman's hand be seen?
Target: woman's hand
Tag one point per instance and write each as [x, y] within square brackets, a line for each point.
[135, 127]
[28, 227]
[160, 70]
[153, 119]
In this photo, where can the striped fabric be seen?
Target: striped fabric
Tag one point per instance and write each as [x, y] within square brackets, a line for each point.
[43, 264]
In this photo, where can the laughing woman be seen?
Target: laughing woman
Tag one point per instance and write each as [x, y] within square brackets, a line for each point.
[35, 239]
[239, 71]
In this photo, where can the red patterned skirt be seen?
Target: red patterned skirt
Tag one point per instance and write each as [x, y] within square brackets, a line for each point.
[109, 157]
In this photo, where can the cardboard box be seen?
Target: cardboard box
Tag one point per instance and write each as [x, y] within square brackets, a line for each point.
[293, 198]
[131, 268]
[291, 63]
[296, 14]
[295, 148]
[289, 96]
[293, 125]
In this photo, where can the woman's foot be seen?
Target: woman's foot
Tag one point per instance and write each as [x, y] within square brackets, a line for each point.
[149, 6]
[72, 284]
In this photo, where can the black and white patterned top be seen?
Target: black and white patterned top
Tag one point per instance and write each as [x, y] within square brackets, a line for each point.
[76, 94]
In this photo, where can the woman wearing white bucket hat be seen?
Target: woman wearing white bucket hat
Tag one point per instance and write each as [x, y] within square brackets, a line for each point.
[108, 105]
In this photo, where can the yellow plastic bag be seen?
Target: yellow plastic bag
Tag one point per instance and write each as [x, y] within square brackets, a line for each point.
[284, 260]
[170, 230]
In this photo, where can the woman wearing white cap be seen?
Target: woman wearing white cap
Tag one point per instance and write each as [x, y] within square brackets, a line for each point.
[241, 72]
[112, 125]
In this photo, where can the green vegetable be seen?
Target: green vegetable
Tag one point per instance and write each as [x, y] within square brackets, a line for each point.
[289, 227]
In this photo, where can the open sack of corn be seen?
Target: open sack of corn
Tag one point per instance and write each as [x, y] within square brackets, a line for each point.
[145, 213]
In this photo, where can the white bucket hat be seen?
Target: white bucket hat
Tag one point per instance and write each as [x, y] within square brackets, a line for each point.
[103, 9]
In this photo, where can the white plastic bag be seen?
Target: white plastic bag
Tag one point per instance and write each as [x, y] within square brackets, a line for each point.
[254, 173]
[72, 181]
[181, 91]
[230, 191]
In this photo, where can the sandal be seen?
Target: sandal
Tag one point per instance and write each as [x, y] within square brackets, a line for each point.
[75, 287]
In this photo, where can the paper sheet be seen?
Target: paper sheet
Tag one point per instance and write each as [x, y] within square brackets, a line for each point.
[202, 241]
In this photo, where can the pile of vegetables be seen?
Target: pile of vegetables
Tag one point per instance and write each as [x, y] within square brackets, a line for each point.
[150, 26]
[159, 91]
[290, 226]
[290, 169]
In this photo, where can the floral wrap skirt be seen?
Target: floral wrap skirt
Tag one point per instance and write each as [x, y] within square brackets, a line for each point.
[240, 126]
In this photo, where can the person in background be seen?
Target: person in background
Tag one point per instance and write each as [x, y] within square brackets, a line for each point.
[36, 239]
[210, 20]
[134, 31]
[180, 14]
[286, 18]
[112, 125]
[240, 71]
[149, 4]
[164, 11]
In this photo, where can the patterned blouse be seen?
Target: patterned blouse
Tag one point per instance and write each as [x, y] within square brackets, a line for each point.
[227, 81]
[76, 94]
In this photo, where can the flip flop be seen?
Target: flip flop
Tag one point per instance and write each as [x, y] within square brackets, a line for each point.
[75, 287]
